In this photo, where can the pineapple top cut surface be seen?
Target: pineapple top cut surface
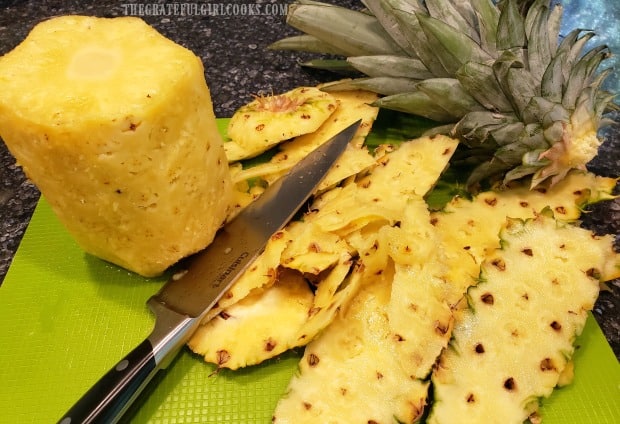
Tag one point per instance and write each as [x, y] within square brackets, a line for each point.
[92, 68]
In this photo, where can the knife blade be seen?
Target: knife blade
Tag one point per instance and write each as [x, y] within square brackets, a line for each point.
[181, 304]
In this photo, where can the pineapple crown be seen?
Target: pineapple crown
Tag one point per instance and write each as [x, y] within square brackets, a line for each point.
[498, 76]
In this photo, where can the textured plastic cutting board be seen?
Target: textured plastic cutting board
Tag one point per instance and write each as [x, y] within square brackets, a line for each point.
[66, 318]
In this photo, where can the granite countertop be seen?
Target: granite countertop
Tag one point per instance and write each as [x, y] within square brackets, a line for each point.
[232, 47]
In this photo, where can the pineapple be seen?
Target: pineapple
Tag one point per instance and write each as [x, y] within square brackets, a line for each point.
[282, 315]
[526, 104]
[274, 314]
[351, 373]
[323, 254]
[352, 106]
[311, 251]
[371, 364]
[262, 274]
[384, 192]
[469, 227]
[114, 124]
[513, 342]
[419, 310]
[269, 120]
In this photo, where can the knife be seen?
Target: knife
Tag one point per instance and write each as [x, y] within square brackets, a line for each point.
[185, 299]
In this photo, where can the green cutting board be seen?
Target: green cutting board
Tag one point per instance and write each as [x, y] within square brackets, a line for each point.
[67, 317]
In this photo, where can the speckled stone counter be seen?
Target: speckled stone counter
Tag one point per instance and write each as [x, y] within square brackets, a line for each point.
[233, 49]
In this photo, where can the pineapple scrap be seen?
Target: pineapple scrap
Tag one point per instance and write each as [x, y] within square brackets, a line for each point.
[323, 255]
[313, 251]
[372, 362]
[268, 120]
[351, 373]
[352, 106]
[412, 170]
[513, 342]
[281, 316]
[243, 334]
[419, 311]
[262, 274]
[469, 228]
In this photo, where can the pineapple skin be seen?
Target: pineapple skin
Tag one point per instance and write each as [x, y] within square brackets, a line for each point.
[469, 227]
[532, 301]
[371, 364]
[269, 120]
[119, 136]
[351, 373]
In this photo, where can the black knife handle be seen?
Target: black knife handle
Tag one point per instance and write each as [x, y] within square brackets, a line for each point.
[106, 401]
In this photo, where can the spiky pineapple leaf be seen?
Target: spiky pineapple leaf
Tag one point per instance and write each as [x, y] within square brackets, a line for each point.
[449, 94]
[448, 12]
[417, 103]
[337, 66]
[349, 31]
[410, 26]
[479, 81]
[511, 27]
[487, 17]
[382, 85]
[306, 43]
[538, 43]
[384, 12]
[390, 66]
[452, 47]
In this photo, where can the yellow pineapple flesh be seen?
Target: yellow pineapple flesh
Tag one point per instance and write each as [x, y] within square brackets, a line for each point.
[352, 106]
[372, 362]
[351, 373]
[470, 228]
[274, 314]
[269, 120]
[513, 342]
[419, 311]
[114, 124]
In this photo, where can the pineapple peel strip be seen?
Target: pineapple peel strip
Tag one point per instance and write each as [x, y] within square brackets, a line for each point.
[547, 271]
[579, 189]
[261, 274]
[269, 120]
[273, 314]
[469, 228]
[352, 106]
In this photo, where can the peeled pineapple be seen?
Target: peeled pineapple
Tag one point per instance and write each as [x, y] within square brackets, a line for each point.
[512, 343]
[114, 124]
